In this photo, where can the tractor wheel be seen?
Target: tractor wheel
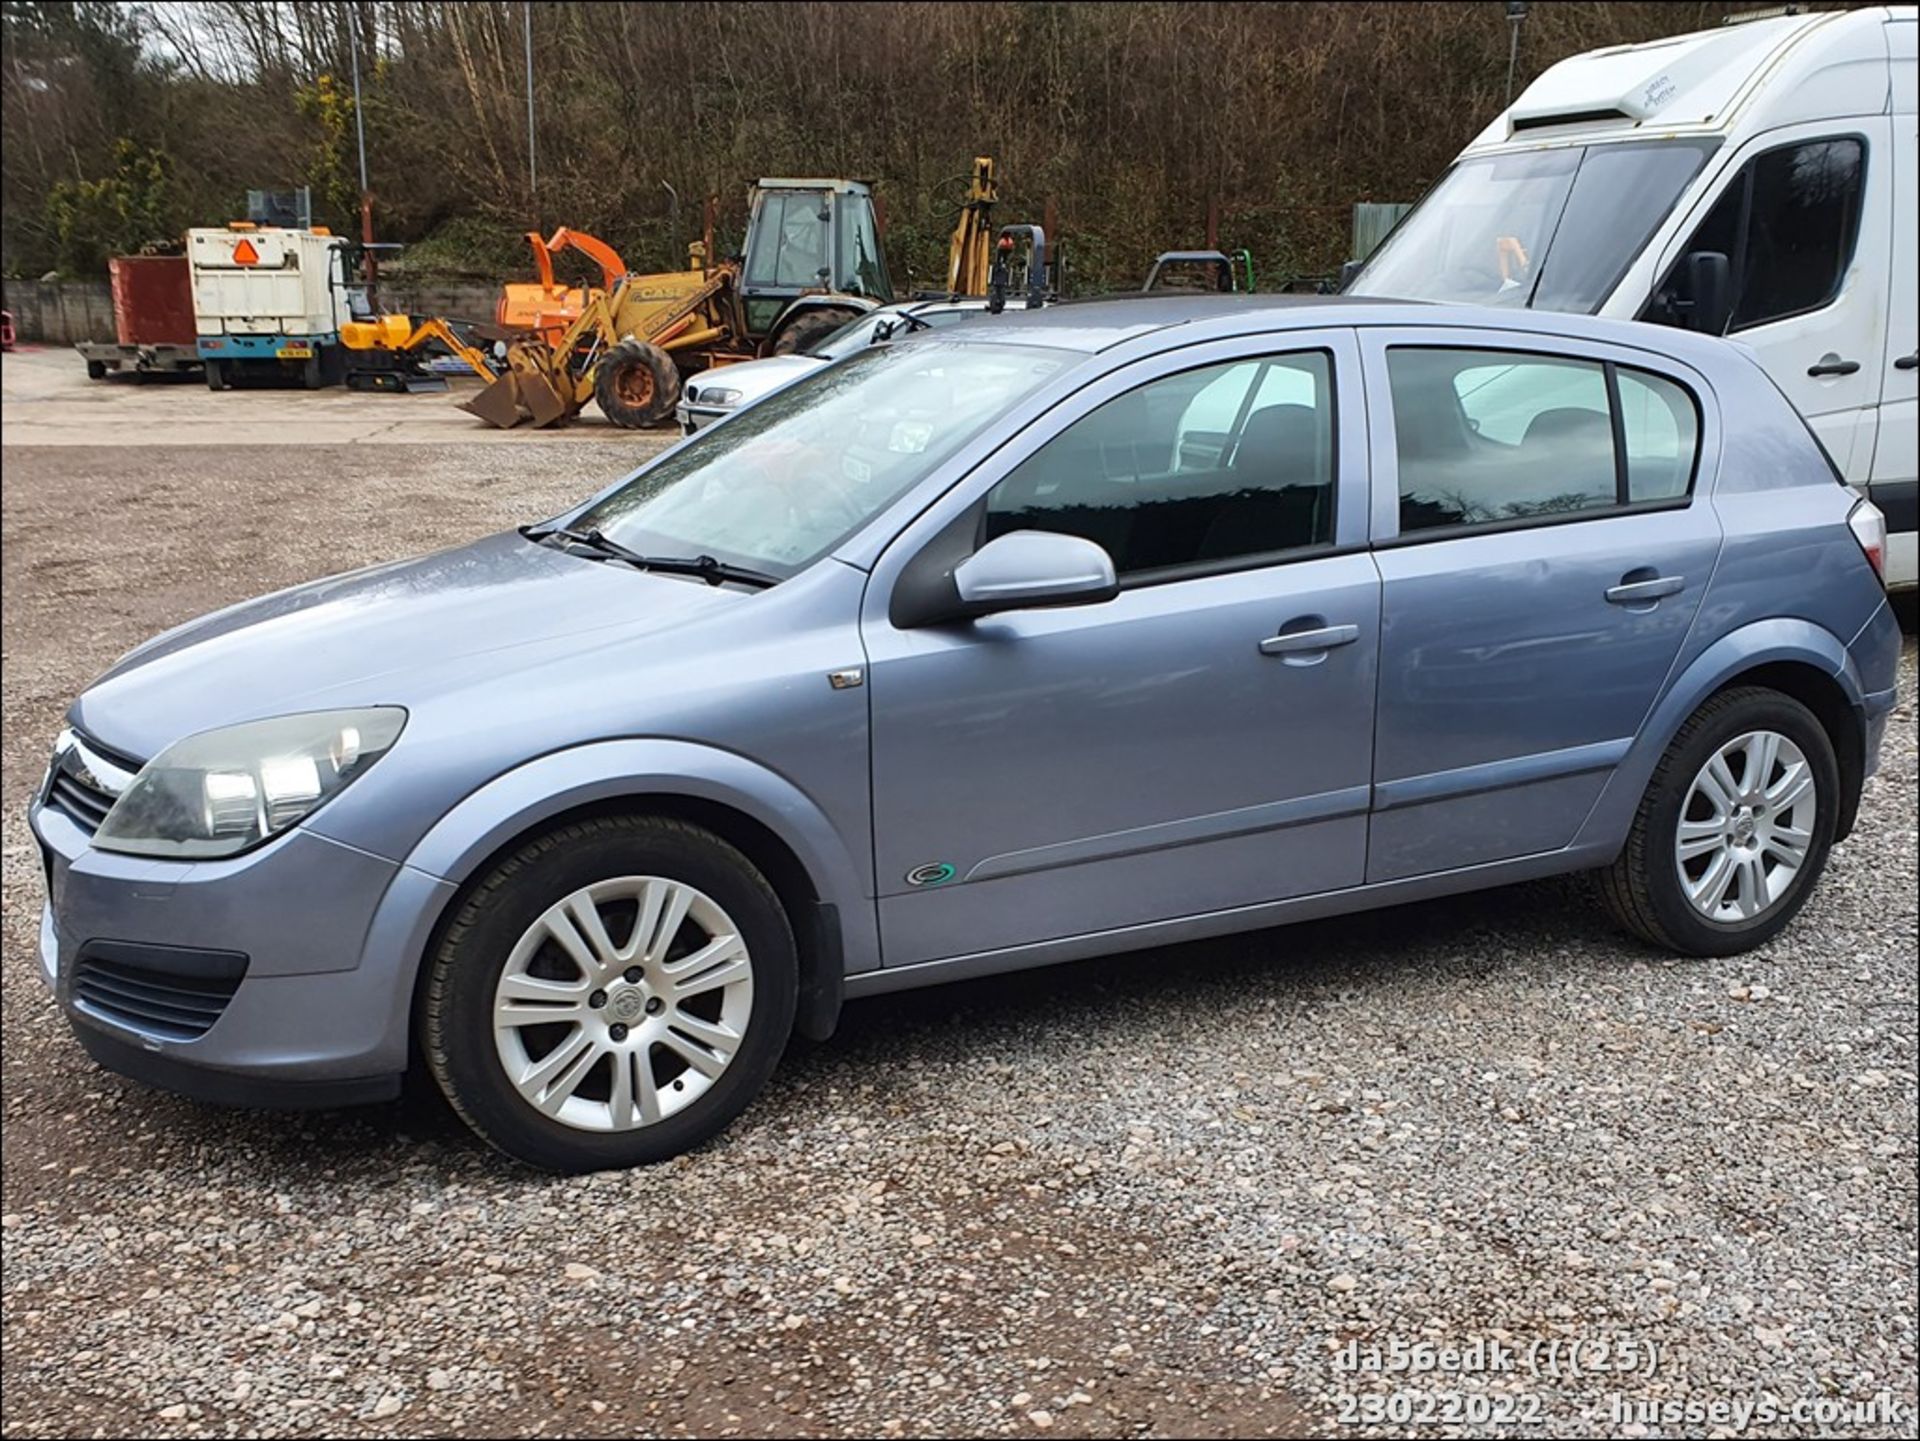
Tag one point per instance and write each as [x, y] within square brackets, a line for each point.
[805, 331]
[637, 385]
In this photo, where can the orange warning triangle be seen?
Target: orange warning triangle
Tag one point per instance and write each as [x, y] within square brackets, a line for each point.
[245, 254]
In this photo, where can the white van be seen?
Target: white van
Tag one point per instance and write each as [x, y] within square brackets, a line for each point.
[1756, 180]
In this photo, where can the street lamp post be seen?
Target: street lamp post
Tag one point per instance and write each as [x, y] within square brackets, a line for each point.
[1516, 12]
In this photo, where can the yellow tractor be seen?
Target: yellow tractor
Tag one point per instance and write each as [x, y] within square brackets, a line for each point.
[812, 261]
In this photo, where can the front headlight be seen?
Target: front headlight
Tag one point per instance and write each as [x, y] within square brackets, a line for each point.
[222, 791]
[713, 397]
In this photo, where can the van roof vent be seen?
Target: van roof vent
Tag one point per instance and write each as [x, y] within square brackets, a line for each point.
[1685, 80]
[1572, 117]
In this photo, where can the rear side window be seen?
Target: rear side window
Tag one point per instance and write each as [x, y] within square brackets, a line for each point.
[1787, 224]
[1661, 431]
[1489, 437]
[1205, 468]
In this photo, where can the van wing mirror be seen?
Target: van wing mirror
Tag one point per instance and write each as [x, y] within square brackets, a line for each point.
[1348, 272]
[1708, 304]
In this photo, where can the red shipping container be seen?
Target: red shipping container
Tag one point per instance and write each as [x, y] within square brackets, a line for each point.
[152, 299]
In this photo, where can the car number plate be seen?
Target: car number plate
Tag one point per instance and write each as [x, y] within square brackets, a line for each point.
[295, 352]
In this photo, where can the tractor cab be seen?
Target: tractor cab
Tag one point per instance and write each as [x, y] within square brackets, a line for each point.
[810, 237]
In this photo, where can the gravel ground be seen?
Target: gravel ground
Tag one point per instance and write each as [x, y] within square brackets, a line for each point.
[1149, 1195]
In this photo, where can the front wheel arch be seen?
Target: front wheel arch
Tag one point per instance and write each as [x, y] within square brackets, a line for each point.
[815, 924]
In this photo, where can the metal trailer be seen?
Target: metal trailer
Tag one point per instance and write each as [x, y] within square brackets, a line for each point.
[104, 357]
[152, 319]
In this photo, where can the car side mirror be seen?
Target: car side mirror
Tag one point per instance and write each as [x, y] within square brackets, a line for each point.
[1031, 568]
[1347, 273]
[1708, 305]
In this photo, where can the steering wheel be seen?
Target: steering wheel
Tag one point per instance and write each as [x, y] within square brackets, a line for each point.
[809, 479]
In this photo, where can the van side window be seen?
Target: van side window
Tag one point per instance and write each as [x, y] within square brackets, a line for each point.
[1487, 437]
[1205, 467]
[1787, 223]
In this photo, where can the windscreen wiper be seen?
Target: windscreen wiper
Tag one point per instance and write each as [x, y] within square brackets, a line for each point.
[710, 569]
[894, 324]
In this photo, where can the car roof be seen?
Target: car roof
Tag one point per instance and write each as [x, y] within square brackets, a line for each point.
[1098, 324]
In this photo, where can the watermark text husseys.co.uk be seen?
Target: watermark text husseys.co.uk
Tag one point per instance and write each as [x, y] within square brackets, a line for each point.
[1738, 1414]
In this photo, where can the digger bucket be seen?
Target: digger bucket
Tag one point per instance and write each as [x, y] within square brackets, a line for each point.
[518, 397]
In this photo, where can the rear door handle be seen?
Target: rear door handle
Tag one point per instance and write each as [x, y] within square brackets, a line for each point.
[1296, 642]
[1833, 365]
[1642, 592]
[1907, 362]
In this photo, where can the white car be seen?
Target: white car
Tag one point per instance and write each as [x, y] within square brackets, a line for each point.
[715, 394]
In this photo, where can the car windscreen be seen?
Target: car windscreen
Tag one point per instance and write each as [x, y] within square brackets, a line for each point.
[1548, 229]
[790, 477]
[862, 331]
[856, 334]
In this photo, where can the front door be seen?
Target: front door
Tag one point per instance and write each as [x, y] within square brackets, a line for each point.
[1201, 742]
[1542, 553]
[1896, 456]
[1805, 217]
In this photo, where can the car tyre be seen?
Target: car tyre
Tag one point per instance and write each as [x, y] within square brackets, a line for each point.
[216, 375]
[485, 950]
[637, 385]
[1666, 897]
[811, 327]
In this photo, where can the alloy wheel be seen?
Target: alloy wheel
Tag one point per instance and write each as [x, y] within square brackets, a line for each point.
[623, 1003]
[1746, 827]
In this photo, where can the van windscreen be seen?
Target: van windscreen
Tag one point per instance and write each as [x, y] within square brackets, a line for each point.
[1549, 229]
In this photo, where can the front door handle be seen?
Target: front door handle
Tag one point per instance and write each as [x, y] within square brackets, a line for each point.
[1297, 642]
[1644, 592]
[1907, 362]
[1831, 364]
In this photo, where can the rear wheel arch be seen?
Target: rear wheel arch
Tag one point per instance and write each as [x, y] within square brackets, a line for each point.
[1821, 693]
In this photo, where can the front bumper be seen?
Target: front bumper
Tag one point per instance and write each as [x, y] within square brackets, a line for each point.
[694, 417]
[320, 1016]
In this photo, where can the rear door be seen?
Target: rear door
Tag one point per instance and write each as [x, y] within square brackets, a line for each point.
[1542, 550]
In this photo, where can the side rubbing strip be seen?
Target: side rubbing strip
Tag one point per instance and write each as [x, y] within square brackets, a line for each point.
[1246, 820]
[1498, 775]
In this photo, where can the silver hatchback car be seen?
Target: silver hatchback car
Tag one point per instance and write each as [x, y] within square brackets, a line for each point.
[1078, 631]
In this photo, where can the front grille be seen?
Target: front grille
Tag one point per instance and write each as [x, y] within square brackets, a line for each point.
[166, 991]
[87, 779]
[78, 801]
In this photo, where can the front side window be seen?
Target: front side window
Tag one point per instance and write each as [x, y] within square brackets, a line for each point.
[1489, 437]
[1205, 467]
[1787, 224]
[788, 478]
